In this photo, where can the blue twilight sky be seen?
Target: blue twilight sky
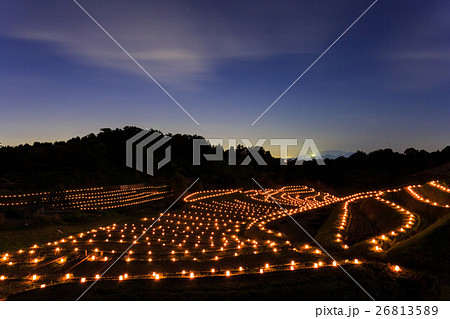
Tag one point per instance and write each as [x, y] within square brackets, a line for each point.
[384, 84]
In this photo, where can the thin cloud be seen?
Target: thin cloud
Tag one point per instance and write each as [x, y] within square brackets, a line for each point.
[179, 44]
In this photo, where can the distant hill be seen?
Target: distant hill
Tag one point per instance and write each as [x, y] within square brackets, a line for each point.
[324, 155]
[336, 154]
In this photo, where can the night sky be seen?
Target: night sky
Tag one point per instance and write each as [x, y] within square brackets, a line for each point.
[385, 84]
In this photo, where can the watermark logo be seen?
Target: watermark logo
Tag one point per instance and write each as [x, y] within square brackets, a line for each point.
[308, 152]
[142, 146]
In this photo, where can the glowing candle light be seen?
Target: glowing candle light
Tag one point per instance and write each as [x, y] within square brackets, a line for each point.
[83, 280]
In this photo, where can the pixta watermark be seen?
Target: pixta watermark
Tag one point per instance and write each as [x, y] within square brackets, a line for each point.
[308, 151]
[140, 150]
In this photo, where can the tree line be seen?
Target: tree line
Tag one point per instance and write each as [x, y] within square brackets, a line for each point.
[99, 160]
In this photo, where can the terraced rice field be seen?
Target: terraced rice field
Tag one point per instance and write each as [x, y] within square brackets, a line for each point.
[224, 233]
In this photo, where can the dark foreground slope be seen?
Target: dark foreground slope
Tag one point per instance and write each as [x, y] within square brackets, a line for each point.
[318, 284]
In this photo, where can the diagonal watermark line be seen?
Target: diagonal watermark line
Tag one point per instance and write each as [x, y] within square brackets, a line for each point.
[136, 62]
[134, 242]
[314, 240]
[315, 61]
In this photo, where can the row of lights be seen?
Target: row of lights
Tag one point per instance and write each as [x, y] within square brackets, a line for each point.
[414, 194]
[441, 187]
[381, 240]
[195, 274]
[197, 196]
[208, 227]
[93, 198]
[211, 224]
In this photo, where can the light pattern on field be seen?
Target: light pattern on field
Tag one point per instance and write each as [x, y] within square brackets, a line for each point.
[439, 186]
[219, 233]
[409, 219]
[89, 198]
[413, 192]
